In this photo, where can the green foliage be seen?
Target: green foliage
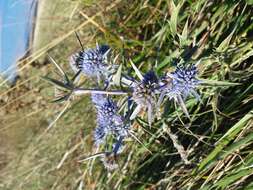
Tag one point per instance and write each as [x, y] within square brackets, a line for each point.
[218, 133]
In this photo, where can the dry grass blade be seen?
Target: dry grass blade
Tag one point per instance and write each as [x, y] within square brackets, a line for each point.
[182, 152]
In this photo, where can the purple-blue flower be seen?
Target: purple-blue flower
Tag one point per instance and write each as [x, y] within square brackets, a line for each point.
[92, 62]
[179, 84]
[185, 81]
[144, 95]
[109, 122]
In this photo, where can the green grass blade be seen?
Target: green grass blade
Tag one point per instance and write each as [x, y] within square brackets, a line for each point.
[217, 83]
[230, 135]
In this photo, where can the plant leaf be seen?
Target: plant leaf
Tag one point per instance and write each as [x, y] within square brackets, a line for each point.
[61, 99]
[116, 78]
[182, 105]
[174, 17]
[136, 112]
[184, 35]
[218, 83]
[76, 76]
[59, 68]
[137, 71]
[56, 82]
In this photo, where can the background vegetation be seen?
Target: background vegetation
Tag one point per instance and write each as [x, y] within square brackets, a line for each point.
[42, 142]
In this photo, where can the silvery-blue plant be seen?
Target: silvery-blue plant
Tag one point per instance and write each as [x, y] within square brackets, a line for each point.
[185, 80]
[93, 63]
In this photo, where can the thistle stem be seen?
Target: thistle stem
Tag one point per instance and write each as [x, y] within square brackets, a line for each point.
[80, 91]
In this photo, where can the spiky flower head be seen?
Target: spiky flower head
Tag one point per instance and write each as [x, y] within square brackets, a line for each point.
[108, 119]
[92, 62]
[179, 84]
[108, 109]
[109, 122]
[185, 81]
[144, 95]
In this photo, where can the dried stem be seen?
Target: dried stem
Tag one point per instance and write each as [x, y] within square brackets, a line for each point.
[177, 145]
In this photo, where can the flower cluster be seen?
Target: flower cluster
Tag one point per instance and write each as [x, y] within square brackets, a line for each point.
[147, 93]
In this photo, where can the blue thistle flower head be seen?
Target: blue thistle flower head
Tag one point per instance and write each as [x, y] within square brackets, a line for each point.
[144, 95]
[179, 85]
[92, 62]
[109, 122]
[187, 75]
[143, 91]
[184, 80]
[108, 110]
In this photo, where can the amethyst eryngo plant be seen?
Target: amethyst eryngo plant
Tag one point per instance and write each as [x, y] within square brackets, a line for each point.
[147, 92]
